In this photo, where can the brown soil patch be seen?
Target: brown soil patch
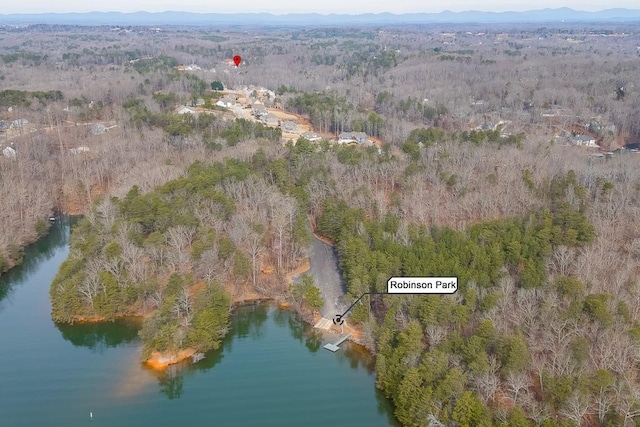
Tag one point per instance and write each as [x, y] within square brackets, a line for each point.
[248, 296]
[267, 269]
[357, 334]
[304, 267]
[283, 115]
[160, 360]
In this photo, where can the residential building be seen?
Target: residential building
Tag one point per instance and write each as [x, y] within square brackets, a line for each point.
[270, 119]
[98, 129]
[9, 152]
[183, 109]
[289, 126]
[258, 110]
[584, 141]
[311, 136]
[225, 102]
[347, 137]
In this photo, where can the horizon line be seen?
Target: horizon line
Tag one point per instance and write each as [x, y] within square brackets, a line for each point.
[326, 14]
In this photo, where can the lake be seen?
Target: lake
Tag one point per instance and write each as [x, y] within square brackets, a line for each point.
[271, 369]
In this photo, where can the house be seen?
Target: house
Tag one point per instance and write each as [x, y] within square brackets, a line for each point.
[79, 150]
[98, 129]
[311, 136]
[18, 123]
[347, 137]
[486, 126]
[289, 126]
[183, 109]
[270, 119]
[9, 152]
[4, 126]
[200, 102]
[584, 141]
[225, 102]
[258, 110]
[190, 67]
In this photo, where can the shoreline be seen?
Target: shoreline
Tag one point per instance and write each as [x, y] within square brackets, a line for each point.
[159, 361]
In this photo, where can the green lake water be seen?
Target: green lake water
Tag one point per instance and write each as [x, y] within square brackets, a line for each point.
[270, 371]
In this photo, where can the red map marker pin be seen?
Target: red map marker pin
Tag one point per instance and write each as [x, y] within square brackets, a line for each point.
[237, 60]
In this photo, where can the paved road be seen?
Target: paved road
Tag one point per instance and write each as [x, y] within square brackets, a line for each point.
[327, 276]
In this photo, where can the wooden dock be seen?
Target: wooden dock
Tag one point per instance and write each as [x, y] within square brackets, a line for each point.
[335, 346]
[324, 324]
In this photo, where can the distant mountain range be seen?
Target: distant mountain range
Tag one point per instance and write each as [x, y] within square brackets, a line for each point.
[315, 19]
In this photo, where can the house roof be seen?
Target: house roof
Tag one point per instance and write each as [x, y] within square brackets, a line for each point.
[310, 135]
[98, 129]
[9, 152]
[183, 109]
[352, 135]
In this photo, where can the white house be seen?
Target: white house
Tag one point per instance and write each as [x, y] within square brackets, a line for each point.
[346, 137]
[183, 109]
[311, 136]
[225, 102]
[18, 123]
[9, 152]
[584, 141]
[79, 150]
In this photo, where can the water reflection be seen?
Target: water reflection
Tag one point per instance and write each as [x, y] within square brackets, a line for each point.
[311, 338]
[249, 320]
[246, 322]
[101, 335]
[35, 255]
[171, 382]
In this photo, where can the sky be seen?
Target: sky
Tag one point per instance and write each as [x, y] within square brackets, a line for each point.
[304, 6]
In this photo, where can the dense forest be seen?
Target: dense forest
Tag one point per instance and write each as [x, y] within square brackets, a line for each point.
[531, 336]
[471, 176]
[168, 251]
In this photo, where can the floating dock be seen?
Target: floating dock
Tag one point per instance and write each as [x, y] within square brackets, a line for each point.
[334, 347]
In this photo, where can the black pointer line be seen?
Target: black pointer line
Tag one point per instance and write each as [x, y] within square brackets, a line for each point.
[338, 317]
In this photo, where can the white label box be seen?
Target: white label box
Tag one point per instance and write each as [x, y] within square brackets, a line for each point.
[422, 285]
